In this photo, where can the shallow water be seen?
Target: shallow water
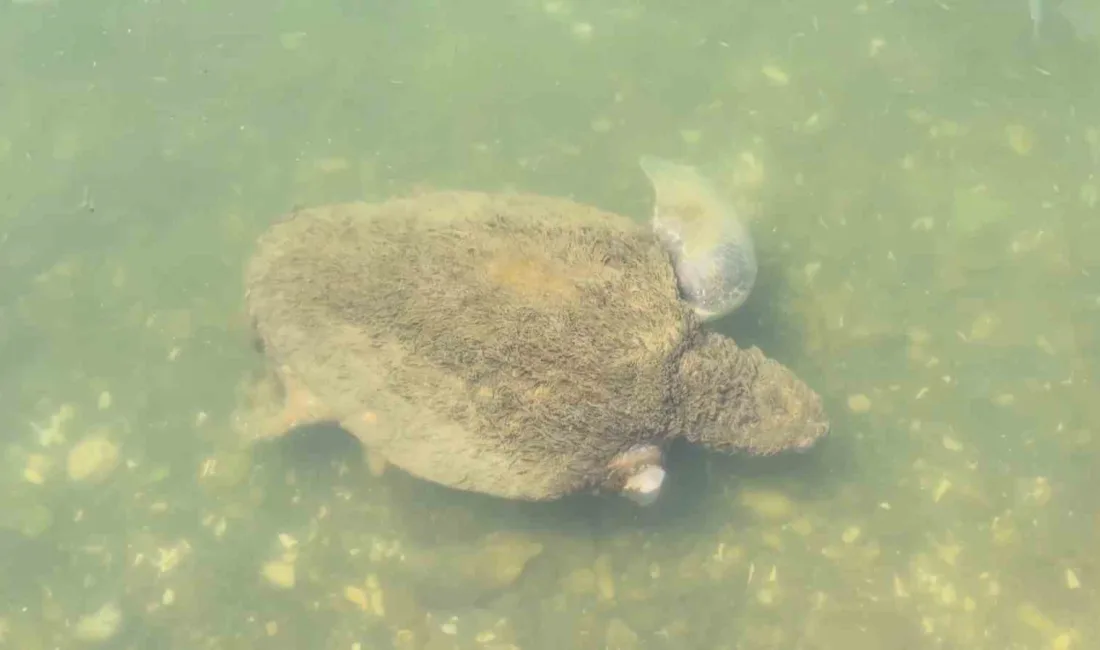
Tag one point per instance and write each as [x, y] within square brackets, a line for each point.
[922, 185]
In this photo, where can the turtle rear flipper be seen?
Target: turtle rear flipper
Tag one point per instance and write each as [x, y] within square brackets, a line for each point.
[361, 426]
[274, 404]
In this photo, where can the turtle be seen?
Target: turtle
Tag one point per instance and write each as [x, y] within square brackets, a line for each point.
[514, 344]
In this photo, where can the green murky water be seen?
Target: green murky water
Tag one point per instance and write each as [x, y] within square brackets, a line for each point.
[922, 180]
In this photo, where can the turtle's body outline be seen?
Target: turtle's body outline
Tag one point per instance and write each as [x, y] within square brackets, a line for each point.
[558, 346]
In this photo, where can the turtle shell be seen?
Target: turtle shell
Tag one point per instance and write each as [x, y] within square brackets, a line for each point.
[509, 344]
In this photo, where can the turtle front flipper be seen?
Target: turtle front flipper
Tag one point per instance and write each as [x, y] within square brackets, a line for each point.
[711, 248]
[637, 473]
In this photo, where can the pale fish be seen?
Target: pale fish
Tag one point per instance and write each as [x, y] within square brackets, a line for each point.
[1035, 10]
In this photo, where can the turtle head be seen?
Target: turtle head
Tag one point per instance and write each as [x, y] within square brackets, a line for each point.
[737, 400]
[637, 474]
